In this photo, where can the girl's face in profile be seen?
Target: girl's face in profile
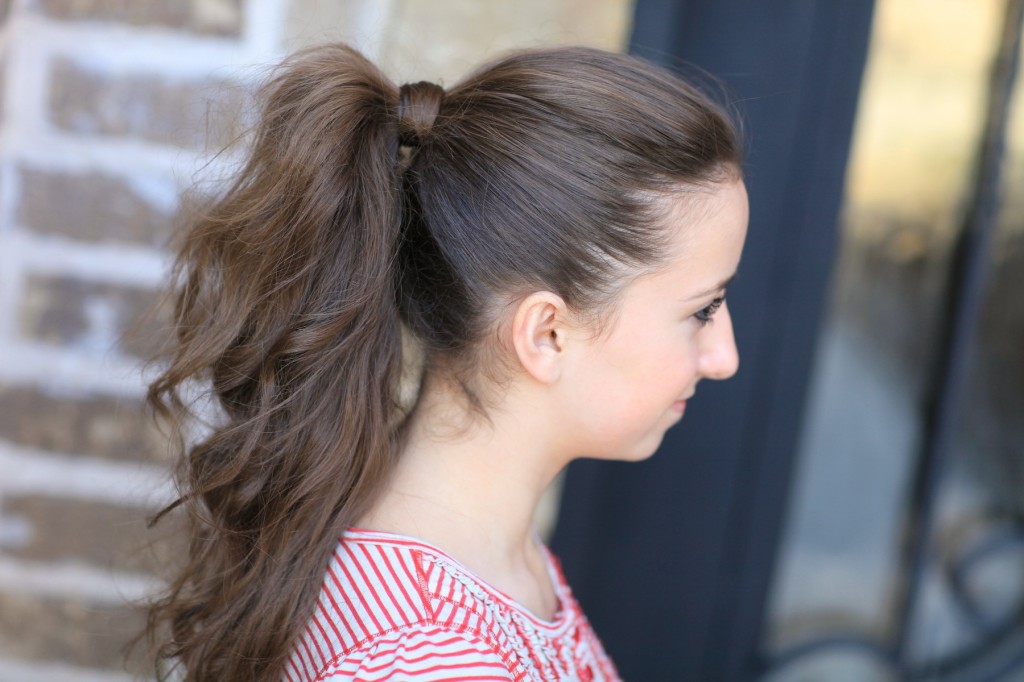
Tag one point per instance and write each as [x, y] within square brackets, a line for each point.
[672, 329]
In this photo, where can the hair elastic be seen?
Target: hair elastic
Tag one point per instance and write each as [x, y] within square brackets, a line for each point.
[418, 104]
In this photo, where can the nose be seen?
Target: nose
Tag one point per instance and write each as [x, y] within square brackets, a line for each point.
[719, 358]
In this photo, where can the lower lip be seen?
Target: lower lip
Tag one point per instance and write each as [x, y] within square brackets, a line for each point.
[679, 406]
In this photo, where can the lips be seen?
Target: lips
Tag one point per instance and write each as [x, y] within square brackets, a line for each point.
[680, 405]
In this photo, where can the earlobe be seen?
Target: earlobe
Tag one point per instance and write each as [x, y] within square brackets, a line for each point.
[538, 335]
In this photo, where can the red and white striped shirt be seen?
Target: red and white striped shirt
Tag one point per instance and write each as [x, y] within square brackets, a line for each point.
[396, 608]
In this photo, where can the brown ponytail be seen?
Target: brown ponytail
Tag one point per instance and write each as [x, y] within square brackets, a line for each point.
[362, 210]
[287, 306]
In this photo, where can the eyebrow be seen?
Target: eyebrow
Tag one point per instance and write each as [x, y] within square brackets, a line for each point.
[721, 285]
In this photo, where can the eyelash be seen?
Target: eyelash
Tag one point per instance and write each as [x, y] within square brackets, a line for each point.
[705, 315]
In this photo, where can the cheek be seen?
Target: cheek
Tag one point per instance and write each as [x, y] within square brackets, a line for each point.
[639, 386]
[624, 405]
[668, 370]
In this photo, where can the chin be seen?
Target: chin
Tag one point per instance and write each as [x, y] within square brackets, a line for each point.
[636, 449]
[642, 451]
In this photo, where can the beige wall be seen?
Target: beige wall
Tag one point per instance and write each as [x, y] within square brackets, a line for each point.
[107, 110]
[429, 40]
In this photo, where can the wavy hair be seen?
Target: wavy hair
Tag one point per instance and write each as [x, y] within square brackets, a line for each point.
[362, 216]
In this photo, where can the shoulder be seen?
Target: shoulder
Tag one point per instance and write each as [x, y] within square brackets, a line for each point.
[424, 652]
[385, 602]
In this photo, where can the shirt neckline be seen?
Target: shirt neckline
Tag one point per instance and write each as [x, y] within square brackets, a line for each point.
[562, 612]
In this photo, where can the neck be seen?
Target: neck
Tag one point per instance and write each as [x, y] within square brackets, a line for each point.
[474, 491]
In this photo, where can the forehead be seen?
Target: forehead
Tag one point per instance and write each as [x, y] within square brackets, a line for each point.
[697, 215]
[706, 229]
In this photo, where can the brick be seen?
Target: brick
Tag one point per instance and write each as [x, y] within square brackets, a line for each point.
[92, 317]
[192, 114]
[3, 83]
[106, 536]
[76, 632]
[92, 206]
[3, 64]
[98, 426]
[218, 17]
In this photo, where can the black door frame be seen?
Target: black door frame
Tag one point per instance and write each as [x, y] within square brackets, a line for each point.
[672, 558]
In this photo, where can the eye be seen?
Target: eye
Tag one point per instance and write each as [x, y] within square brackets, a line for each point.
[705, 315]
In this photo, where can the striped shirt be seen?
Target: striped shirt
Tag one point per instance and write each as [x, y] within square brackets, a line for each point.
[395, 608]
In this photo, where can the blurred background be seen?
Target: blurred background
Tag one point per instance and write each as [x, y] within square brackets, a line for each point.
[848, 508]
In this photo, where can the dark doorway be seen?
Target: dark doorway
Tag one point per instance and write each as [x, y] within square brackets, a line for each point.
[672, 558]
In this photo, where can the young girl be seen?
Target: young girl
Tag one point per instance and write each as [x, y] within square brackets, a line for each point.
[414, 306]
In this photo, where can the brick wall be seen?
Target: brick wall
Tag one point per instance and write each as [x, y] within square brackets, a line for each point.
[108, 109]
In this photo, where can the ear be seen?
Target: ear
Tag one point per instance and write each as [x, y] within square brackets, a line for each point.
[539, 335]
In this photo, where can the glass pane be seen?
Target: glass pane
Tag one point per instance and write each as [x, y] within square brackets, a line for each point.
[914, 144]
[980, 520]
